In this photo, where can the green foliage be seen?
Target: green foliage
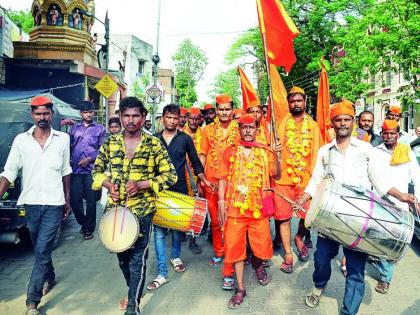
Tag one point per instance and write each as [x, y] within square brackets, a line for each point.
[139, 89]
[190, 62]
[23, 19]
[227, 82]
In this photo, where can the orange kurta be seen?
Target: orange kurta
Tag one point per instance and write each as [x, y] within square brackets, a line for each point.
[300, 143]
[197, 143]
[263, 134]
[246, 178]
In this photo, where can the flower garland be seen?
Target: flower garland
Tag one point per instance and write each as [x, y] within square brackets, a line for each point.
[196, 137]
[221, 142]
[261, 136]
[246, 178]
[298, 145]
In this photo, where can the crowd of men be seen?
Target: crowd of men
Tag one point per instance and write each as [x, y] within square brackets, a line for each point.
[226, 155]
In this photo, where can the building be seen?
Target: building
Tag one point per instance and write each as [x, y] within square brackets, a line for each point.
[166, 80]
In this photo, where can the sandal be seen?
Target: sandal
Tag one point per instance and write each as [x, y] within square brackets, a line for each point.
[123, 304]
[237, 299]
[266, 263]
[228, 283]
[287, 267]
[313, 298]
[262, 276]
[87, 236]
[194, 247]
[343, 269]
[32, 310]
[178, 264]
[382, 287]
[303, 251]
[215, 261]
[156, 283]
[48, 285]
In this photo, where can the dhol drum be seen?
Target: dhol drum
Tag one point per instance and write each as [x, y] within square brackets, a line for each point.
[118, 229]
[360, 220]
[180, 212]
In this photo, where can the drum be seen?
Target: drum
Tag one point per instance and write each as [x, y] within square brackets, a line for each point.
[360, 220]
[118, 229]
[180, 212]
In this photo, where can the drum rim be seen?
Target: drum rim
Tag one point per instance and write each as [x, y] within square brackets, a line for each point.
[101, 232]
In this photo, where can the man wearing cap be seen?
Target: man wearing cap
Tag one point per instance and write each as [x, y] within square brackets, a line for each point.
[86, 138]
[209, 113]
[366, 120]
[217, 136]
[263, 135]
[352, 161]
[300, 138]
[43, 156]
[398, 162]
[182, 118]
[394, 112]
[238, 113]
[244, 175]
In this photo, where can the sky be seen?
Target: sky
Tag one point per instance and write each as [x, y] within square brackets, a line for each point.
[213, 25]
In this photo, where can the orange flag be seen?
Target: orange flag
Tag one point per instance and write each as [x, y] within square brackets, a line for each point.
[278, 32]
[323, 105]
[281, 107]
[249, 96]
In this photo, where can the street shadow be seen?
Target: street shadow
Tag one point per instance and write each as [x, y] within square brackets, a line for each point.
[415, 245]
[413, 309]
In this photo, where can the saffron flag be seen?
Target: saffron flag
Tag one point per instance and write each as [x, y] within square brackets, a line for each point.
[249, 96]
[323, 106]
[280, 105]
[278, 31]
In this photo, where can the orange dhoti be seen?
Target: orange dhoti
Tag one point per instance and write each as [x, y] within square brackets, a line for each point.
[258, 230]
[283, 208]
[216, 231]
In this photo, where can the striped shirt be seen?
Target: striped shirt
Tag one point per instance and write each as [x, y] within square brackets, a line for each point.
[150, 162]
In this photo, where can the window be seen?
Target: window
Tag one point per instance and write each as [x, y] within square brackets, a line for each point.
[141, 67]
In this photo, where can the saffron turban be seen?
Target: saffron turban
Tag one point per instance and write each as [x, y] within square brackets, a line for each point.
[237, 111]
[296, 89]
[342, 108]
[208, 106]
[41, 101]
[194, 111]
[183, 111]
[395, 109]
[246, 119]
[222, 99]
[389, 124]
[254, 103]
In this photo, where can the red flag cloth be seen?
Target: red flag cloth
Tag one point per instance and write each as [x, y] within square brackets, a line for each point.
[323, 106]
[279, 31]
[281, 107]
[249, 96]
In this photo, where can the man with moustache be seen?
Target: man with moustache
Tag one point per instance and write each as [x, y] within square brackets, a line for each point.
[366, 120]
[43, 156]
[182, 118]
[86, 138]
[209, 113]
[300, 138]
[263, 135]
[352, 161]
[217, 136]
[140, 168]
[395, 112]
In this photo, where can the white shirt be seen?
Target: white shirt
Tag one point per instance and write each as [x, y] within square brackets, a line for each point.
[354, 167]
[42, 168]
[401, 175]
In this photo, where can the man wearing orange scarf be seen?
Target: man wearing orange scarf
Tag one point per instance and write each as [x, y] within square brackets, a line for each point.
[263, 135]
[300, 138]
[399, 163]
[217, 136]
[182, 118]
[394, 113]
[244, 176]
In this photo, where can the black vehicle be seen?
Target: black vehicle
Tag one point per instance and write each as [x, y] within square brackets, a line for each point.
[15, 118]
[415, 146]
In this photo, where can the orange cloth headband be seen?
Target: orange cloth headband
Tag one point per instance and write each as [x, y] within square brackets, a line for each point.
[183, 111]
[246, 119]
[221, 99]
[194, 111]
[41, 101]
[389, 124]
[296, 89]
[237, 111]
[342, 108]
[395, 109]
[208, 106]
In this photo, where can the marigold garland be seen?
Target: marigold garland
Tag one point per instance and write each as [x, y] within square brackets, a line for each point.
[219, 144]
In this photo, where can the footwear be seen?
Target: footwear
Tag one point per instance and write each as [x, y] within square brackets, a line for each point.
[382, 287]
[313, 298]
[215, 261]
[87, 236]
[157, 283]
[308, 243]
[32, 310]
[194, 247]
[287, 264]
[123, 304]
[266, 263]
[262, 276]
[48, 285]
[303, 251]
[237, 299]
[228, 283]
[343, 269]
[178, 264]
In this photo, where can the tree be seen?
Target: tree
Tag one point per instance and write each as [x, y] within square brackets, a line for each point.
[227, 82]
[139, 89]
[190, 62]
[22, 19]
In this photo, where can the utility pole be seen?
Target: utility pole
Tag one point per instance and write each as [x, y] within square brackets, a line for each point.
[156, 60]
[106, 65]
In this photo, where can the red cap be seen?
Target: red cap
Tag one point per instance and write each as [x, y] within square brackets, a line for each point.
[222, 99]
[247, 119]
[183, 111]
[194, 111]
[389, 124]
[41, 101]
[208, 106]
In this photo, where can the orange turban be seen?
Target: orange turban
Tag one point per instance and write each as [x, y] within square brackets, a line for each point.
[183, 111]
[342, 108]
[389, 124]
[247, 119]
[194, 111]
[224, 98]
[296, 89]
[395, 109]
[208, 106]
[254, 103]
[41, 101]
[237, 111]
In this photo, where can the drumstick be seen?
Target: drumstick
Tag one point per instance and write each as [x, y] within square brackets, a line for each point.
[115, 220]
[285, 198]
[123, 219]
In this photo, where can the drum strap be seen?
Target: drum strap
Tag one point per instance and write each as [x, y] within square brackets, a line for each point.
[327, 165]
[193, 183]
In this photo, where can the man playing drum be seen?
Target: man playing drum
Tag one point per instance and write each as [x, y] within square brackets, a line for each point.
[140, 168]
[398, 162]
[244, 174]
[351, 161]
